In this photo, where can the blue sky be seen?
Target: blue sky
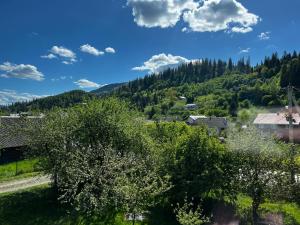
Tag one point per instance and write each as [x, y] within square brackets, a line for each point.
[49, 47]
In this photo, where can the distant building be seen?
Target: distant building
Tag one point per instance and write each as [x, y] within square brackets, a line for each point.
[182, 98]
[218, 123]
[278, 124]
[191, 106]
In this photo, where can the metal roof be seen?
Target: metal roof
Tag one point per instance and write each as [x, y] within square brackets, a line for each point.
[275, 119]
[11, 133]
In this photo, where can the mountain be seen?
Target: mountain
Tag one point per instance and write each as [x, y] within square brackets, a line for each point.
[63, 100]
[107, 88]
[219, 88]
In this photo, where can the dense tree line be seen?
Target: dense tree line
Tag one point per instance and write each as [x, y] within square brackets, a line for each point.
[219, 87]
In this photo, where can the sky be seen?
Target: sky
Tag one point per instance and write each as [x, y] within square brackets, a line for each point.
[53, 46]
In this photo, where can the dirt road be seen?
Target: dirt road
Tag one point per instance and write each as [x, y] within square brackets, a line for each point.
[17, 185]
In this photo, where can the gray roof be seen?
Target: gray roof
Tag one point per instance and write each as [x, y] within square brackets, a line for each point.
[212, 122]
[12, 131]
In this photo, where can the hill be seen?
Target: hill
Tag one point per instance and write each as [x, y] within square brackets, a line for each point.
[63, 100]
[107, 88]
[218, 88]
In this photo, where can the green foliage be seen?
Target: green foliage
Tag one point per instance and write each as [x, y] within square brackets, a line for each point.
[139, 185]
[258, 159]
[93, 152]
[39, 206]
[64, 100]
[202, 167]
[188, 214]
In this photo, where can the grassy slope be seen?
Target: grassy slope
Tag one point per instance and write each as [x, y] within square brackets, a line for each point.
[38, 206]
[25, 168]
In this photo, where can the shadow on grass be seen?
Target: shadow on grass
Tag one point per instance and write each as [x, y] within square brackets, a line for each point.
[39, 207]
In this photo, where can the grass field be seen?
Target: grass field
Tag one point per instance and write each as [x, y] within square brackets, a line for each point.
[20, 169]
[38, 206]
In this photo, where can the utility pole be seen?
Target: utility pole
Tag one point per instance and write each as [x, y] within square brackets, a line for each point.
[291, 135]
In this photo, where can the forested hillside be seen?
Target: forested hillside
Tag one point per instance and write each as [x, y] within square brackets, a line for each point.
[219, 88]
[43, 104]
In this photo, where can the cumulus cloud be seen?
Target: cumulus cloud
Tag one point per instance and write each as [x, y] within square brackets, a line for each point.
[91, 50]
[161, 62]
[243, 51]
[68, 56]
[218, 15]
[10, 96]
[49, 56]
[110, 50]
[159, 13]
[20, 71]
[201, 16]
[264, 36]
[84, 83]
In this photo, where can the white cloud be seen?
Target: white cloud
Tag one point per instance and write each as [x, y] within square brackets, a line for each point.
[49, 56]
[20, 71]
[242, 30]
[67, 62]
[243, 51]
[84, 83]
[91, 50]
[110, 50]
[218, 15]
[201, 16]
[68, 55]
[11, 96]
[63, 52]
[161, 62]
[264, 36]
[61, 78]
[159, 13]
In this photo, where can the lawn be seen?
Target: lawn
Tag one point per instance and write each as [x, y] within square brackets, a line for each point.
[38, 206]
[291, 211]
[20, 169]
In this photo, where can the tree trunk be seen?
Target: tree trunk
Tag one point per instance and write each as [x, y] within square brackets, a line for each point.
[133, 219]
[255, 216]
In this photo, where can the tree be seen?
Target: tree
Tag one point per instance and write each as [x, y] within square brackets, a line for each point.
[188, 214]
[202, 168]
[83, 147]
[258, 162]
[139, 185]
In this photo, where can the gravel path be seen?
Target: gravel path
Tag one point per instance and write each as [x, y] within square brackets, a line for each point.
[17, 185]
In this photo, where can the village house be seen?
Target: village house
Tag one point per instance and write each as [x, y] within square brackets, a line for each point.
[278, 124]
[217, 123]
[13, 141]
